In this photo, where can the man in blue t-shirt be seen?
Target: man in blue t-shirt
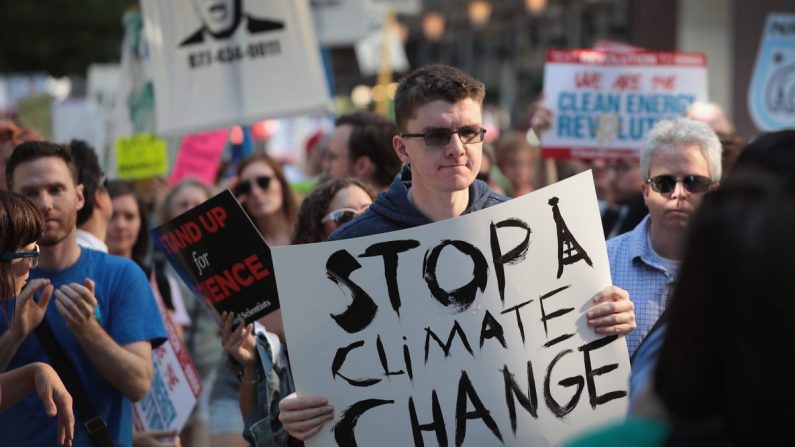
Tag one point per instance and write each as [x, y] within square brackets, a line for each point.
[104, 316]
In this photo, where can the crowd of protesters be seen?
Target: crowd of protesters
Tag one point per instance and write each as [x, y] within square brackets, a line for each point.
[700, 243]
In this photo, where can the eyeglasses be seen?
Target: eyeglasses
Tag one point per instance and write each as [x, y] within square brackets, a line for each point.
[34, 255]
[666, 183]
[441, 137]
[341, 216]
[243, 187]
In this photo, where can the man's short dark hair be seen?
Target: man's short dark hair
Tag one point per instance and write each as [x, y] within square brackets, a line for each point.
[33, 150]
[89, 175]
[433, 83]
[371, 137]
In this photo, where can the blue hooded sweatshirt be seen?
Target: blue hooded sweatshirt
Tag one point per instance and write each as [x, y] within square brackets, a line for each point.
[392, 209]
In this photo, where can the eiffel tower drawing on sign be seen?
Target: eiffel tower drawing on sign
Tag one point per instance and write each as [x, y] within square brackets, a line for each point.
[569, 250]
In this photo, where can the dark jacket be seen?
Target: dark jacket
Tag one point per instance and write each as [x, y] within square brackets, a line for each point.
[392, 209]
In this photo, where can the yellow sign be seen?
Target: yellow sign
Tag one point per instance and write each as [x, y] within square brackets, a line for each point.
[141, 156]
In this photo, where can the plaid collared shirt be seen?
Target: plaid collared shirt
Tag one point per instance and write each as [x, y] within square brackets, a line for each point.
[636, 268]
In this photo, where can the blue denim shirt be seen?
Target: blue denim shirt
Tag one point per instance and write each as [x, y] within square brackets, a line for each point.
[274, 382]
[636, 268]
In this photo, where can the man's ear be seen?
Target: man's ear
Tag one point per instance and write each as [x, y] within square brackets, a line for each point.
[645, 188]
[399, 144]
[364, 168]
[81, 200]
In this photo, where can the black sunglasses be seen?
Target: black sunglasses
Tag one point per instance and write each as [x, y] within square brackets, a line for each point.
[666, 183]
[441, 137]
[8, 257]
[243, 187]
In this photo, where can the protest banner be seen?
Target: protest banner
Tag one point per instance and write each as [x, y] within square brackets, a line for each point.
[218, 64]
[340, 22]
[771, 94]
[141, 156]
[176, 384]
[408, 7]
[221, 256]
[199, 157]
[371, 51]
[604, 102]
[470, 329]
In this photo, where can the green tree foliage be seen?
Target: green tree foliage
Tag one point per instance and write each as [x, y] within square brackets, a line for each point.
[60, 37]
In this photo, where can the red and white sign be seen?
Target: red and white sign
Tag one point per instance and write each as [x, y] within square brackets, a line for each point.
[176, 383]
[604, 102]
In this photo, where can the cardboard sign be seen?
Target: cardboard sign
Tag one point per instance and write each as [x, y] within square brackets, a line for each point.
[340, 22]
[408, 7]
[771, 94]
[141, 156]
[176, 384]
[470, 329]
[604, 102]
[370, 50]
[199, 157]
[221, 256]
[218, 64]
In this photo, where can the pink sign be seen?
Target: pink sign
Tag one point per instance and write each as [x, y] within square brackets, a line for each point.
[199, 156]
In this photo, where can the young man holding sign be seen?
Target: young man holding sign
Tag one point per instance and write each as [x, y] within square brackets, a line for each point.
[439, 114]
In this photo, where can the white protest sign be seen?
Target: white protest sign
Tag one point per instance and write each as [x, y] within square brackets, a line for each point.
[228, 62]
[471, 329]
[771, 94]
[370, 50]
[409, 7]
[340, 22]
[603, 103]
[176, 384]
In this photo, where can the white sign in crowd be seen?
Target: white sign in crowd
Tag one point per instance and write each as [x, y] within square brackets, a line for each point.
[218, 64]
[604, 102]
[470, 329]
[771, 94]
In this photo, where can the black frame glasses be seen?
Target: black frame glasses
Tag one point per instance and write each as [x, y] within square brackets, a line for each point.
[243, 187]
[666, 183]
[441, 137]
[8, 257]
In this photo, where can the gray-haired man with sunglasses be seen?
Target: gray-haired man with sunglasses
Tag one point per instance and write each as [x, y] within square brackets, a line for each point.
[439, 116]
[680, 161]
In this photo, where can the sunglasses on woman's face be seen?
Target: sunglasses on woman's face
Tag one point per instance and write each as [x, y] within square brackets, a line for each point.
[341, 216]
[243, 187]
[665, 184]
[33, 255]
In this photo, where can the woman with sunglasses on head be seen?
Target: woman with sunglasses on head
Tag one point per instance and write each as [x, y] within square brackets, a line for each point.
[329, 206]
[21, 225]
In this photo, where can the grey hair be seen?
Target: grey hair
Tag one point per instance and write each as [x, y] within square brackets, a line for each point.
[679, 133]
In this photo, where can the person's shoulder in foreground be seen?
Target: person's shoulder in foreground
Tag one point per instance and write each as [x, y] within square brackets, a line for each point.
[631, 432]
[393, 210]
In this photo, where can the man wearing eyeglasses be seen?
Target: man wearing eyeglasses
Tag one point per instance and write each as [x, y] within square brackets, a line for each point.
[103, 315]
[439, 117]
[680, 161]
